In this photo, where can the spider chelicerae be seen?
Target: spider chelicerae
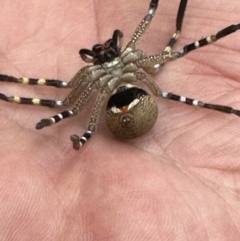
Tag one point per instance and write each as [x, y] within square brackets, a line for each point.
[131, 111]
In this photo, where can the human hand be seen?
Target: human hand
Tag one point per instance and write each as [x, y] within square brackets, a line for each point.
[179, 181]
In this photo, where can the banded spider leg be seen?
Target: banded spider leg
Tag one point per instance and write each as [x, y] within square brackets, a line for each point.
[31, 81]
[152, 64]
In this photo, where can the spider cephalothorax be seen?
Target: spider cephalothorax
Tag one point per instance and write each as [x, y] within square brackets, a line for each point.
[131, 112]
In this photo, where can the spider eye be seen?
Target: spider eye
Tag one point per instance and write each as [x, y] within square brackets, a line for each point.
[131, 112]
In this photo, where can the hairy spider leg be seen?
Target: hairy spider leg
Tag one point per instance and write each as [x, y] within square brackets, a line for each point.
[84, 83]
[149, 82]
[144, 24]
[31, 81]
[31, 101]
[199, 103]
[78, 84]
[157, 92]
[159, 59]
[179, 21]
[79, 106]
[78, 141]
[205, 41]
[154, 68]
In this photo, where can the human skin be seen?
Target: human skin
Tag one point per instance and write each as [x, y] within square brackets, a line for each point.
[180, 181]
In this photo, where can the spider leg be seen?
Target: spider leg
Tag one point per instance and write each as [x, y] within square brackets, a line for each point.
[157, 92]
[80, 104]
[154, 68]
[78, 141]
[179, 21]
[194, 102]
[54, 119]
[144, 24]
[152, 86]
[32, 101]
[205, 41]
[31, 81]
[155, 61]
[82, 79]
[78, 84]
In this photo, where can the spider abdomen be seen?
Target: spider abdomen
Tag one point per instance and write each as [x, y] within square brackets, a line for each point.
[131, 112]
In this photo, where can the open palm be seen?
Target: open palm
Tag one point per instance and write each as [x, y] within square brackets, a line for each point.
[178, 182]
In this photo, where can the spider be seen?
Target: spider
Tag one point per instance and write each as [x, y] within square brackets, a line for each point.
[131, 111]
